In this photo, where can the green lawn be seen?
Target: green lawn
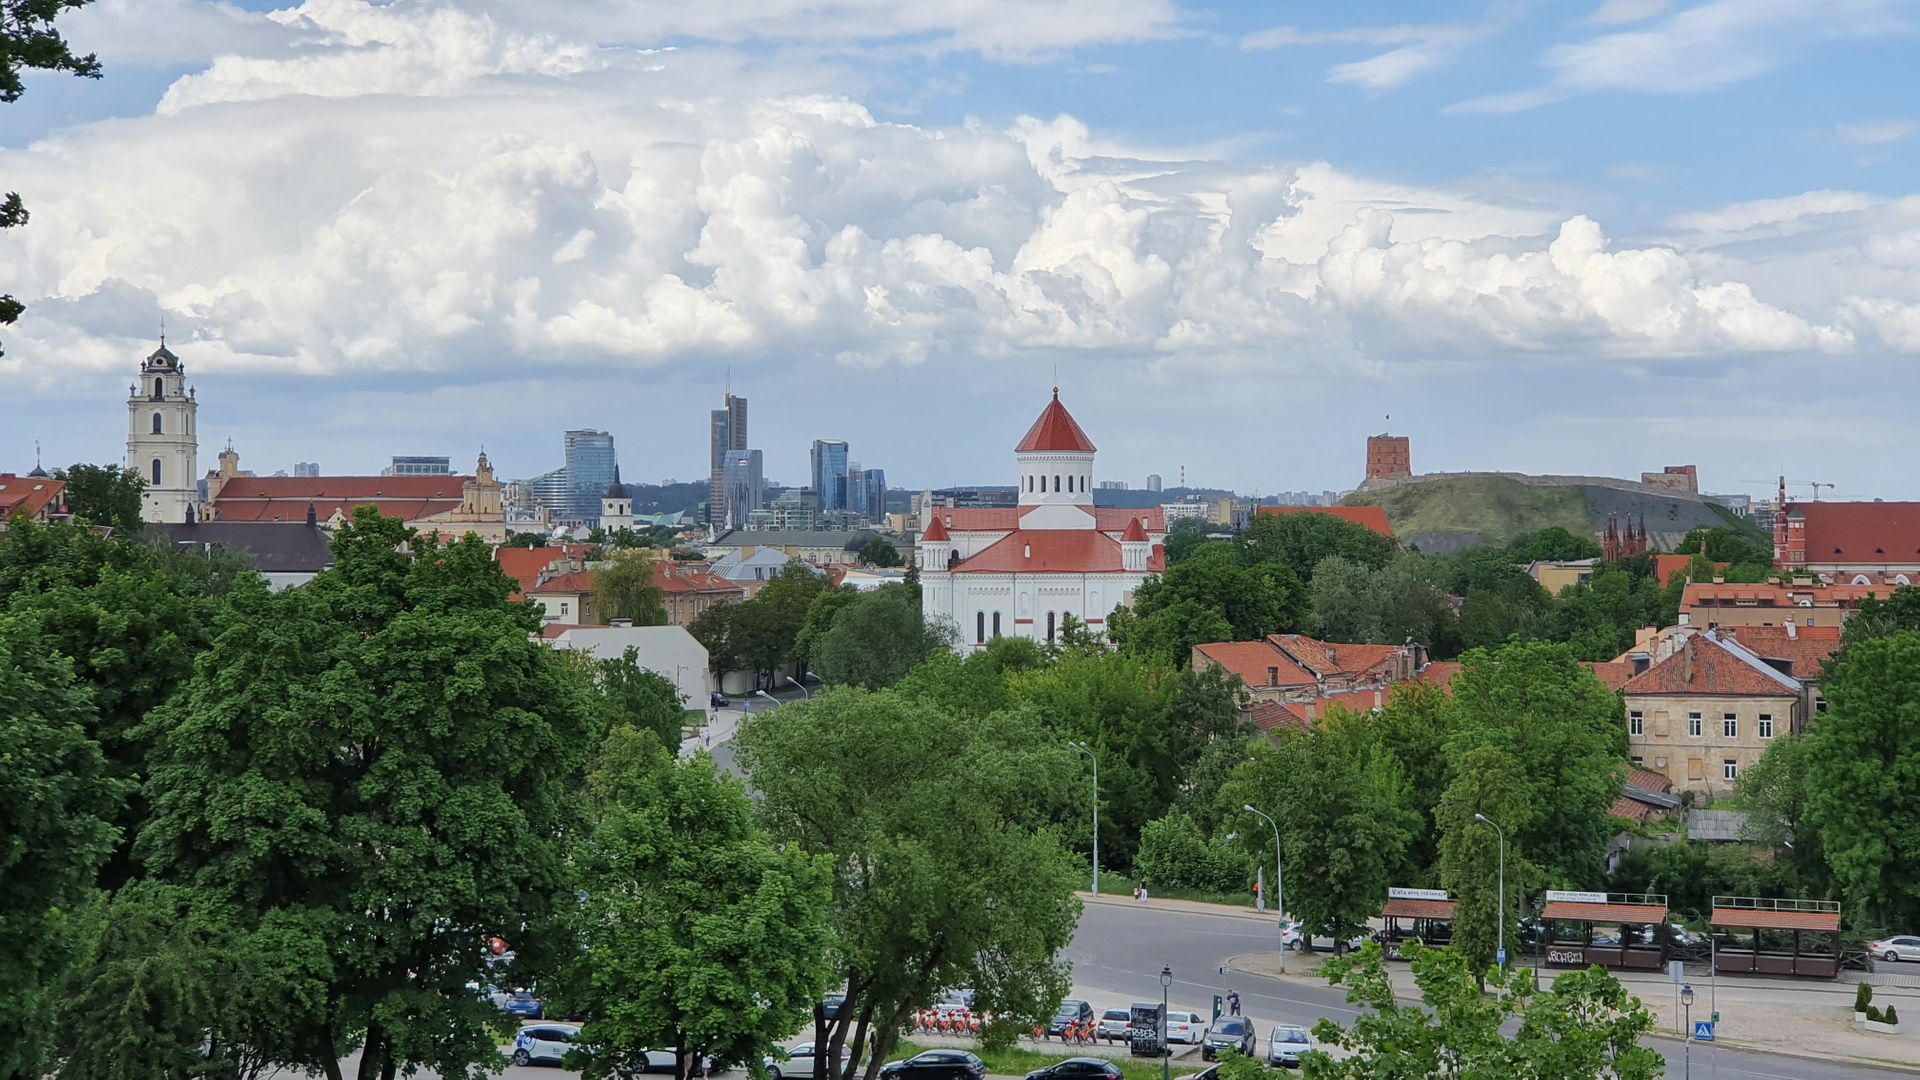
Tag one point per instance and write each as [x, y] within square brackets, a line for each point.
[1025, 1058]
[1112, 884]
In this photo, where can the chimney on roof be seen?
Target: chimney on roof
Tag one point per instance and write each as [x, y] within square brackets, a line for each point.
[1793, 632]
[1686, 664]
[313, 519]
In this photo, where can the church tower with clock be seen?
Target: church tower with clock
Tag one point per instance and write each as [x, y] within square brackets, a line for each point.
[162, 439]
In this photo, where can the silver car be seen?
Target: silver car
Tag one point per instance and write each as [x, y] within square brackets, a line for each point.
[1286, 1045]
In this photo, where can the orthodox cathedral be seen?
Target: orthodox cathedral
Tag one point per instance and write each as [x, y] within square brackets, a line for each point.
[1020, 571]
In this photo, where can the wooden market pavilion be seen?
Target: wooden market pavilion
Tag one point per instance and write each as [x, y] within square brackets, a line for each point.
[1423, 915]
[1758, 935]
[1569, 919]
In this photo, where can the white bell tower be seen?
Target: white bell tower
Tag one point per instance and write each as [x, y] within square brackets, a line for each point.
[163, 440]
[616, 509]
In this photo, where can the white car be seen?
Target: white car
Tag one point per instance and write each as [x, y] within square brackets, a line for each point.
[799, 1062]
[1290, 938]
[1286, 1045]
[1186, 1027]
[1898, 947]
[1115, 1024]
[545, 1043]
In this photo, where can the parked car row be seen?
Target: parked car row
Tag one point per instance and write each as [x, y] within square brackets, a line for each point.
[1285, 1046]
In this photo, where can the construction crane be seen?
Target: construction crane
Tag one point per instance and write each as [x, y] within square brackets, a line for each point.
[1784, 483]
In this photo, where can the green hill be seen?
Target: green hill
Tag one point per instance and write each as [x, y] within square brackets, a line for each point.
[1446, 513]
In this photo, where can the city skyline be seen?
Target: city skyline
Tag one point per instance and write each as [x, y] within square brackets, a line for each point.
[1595, 238]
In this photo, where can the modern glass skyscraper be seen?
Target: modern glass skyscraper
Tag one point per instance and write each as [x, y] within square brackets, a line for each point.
[572, 492]
[830, 473]
[726, 431]
[744, 488]
[867, 493]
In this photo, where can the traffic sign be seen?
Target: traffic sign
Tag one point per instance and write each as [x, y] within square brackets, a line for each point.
[1676, 971]
[1216, 1008]
[1703, 1031]
[1500, 957]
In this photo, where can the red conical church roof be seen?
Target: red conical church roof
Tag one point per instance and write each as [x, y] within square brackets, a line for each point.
[1055, 431]
[1134, 532]
[936, 531]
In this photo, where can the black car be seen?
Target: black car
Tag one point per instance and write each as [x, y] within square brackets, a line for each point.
[831, 1005]
[719, 701]
[936, 1065]
[1080, 1068]
[1071, 1011]
[1231, 1033]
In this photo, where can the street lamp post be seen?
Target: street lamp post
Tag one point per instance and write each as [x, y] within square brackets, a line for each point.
[769, 697]
[1686, 1003]
[803, 689]
[1166, 1049]
[1279, 887]
[1095, 758]
[1500, 923]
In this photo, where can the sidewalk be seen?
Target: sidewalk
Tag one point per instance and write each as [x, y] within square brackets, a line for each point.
[1190, 907]
[719, 730]
[1803, 1019]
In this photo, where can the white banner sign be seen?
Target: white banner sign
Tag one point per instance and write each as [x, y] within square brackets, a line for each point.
[1397, 893]
[1577, 897]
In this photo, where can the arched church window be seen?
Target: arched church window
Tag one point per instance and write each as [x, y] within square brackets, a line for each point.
[980, 627]
[1056, 481]
[996, 624]
[157, 388]
[156, 472]
[156, 423]
[1049, 626]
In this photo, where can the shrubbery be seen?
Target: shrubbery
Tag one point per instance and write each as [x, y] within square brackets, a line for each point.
[1174, 853]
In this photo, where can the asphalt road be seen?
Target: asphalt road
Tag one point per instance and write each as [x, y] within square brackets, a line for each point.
[1119, 951]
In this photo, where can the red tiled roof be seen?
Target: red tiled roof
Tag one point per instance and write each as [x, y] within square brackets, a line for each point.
[1053, 551]
[1111, 519]
[525, 565]
[1418, 909]
[1626, 914]
[1647, 779]
[1805, 651]
[555, 629]
[1776, 920]
[28, 495]
[1439, 673]
[675, 577]
[1613, 674]
[1368, 517]
[1272, 716]
[1629, 809]
[286, 498]
[1055, 431]
[1334, 659]
[578, 581]
[936, 531]
[1708, 594]
[1134, 533]
[1251, 659]
[1665, 566]
[1860, 532]
[1704, 666]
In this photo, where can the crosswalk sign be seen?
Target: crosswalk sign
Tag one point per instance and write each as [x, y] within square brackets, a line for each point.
[1703, 1031]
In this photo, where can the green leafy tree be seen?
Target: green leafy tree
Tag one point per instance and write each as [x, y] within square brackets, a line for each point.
[1169, 633]
[1598, 618]
[1410, 605]
[713, 629]
[1880, 618]
[131, 617]
[820, 615]
[105, 495]
[1585, 1027]
[377, 766]
[1343, 601]
[1345, 834]
[948, 870]
[874, 642]
[1554, 544]
[626, 587]
[58, 803]
[1863, 777]
[1776, 793]
[1302, 542]
[1486, 782]
[29, 41]
[1412, 727]
[763, 631]
[697, 932]
[1184, 538]
[878, 552]
[621, 693]
[1564, 733]
[1175, 853]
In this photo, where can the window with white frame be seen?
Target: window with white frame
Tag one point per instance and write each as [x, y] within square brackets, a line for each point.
[1636, 723]
[1729, 726]
[1766, 725]
[1729, 770]
[1693, 725]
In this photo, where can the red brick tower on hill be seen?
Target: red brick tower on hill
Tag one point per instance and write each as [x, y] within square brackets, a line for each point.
[1389, 457]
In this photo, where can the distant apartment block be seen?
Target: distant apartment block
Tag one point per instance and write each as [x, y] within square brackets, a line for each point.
[1111, 485]
[310, 468]
[417, 465]
[1153, 481]
[1389, 457]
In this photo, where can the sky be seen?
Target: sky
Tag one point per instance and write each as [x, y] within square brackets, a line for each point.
[1592, 237]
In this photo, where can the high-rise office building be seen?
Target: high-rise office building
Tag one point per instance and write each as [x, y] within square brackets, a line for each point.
[306, 468]
[1153, 481]
[417, 465]
[571, 493]
[867, 493]
[744, 489]
[726, 430]
[830, 473]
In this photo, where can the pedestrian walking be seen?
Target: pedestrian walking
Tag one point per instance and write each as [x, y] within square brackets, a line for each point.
[1233, 1003]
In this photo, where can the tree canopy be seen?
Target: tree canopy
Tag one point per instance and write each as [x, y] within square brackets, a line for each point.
[626, 587]
[875, 639]
[105, 495]
[696, 932]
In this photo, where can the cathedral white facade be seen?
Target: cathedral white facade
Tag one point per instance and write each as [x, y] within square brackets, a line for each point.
[163, 442]
[1020, 571]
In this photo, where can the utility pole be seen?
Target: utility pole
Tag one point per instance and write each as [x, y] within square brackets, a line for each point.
[1091, 756]
[1279, 889]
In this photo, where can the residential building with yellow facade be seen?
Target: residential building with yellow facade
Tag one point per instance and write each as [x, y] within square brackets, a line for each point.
[1703, 716]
